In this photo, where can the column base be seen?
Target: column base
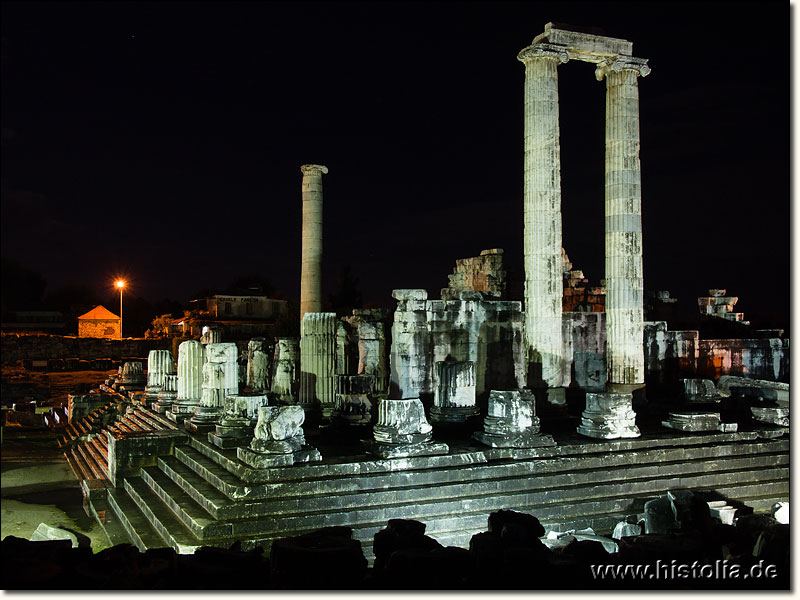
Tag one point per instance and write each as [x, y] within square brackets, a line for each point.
[523, 439]
[453, 414]
[384, 450]
[609, 416]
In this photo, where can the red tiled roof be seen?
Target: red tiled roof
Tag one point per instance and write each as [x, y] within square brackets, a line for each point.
[99, 312]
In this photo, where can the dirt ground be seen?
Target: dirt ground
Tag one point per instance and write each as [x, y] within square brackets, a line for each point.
[37, 484]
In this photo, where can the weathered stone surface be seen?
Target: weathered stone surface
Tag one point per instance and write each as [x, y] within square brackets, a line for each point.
[609, 416]
[402, 422]
[693, 421]
[699, 390]
[191, 357]
[47, 532]
[311, 265]
[259, 355]
[317, 362]
[353, 404]
[482, 273]
[211, 334]
[286, 370]
[626, 529]
[454, 397]
[729, 385]
[720, 306]
[129, 452]
[772, 415]
[132, 378]
[279, 422]
[278, 439]
[391, 450]
[159, 365]
[512, 422]
[488, 333]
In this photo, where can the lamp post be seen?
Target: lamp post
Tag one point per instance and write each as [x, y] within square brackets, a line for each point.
[120, 284]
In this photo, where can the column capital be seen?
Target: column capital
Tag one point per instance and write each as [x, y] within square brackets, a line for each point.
[314, 169]
[544, 51]
[639, 65]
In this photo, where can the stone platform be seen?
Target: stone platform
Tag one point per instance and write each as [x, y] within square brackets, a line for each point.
[202, 495]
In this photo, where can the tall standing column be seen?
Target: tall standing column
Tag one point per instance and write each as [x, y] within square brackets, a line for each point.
[311, 268]
[623, 199]
[542, 199]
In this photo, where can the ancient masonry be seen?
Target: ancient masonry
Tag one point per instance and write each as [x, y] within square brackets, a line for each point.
[191, 356]
[482, 273]
[718, 305]
[311, 269]
[542, 241]
[318, 362]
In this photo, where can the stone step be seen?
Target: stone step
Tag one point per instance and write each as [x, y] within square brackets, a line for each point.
[201, 491]
[161, 518]
[90, 460]
[99, 454]
[78, 465]
[194, 516]
[359, 508]
[135, 422]
[157, 418]
[201, 457]
[303, 496]
[140, 532]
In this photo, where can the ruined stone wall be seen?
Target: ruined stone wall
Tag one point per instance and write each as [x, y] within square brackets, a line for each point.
[756, 359]
[486, 332]
[482, 273]
[16, 347]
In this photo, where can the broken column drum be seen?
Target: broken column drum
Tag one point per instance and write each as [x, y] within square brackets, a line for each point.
[402, 430]
[211, 334]
[278, 439]
[132, 378]
[311, 267]
[286, 370]
[191, 357]
[317, 362]
[258, 367]
[623, 227]
[167, 394]
[411, 344]
[609, 415]
[159, 365]
[542, 216]
[454, 395]
[354, 399]
[511, 421]
[238, 419]
[220, 378]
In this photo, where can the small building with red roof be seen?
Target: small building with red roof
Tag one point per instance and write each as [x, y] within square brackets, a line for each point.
[99, 323]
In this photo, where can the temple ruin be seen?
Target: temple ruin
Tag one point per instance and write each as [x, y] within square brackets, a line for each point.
[445, 410]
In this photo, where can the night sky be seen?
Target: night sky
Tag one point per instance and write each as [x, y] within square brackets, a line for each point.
[163, 142]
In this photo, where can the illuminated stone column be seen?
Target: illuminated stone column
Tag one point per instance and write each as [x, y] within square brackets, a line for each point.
[317, 362]
[286, 370]
[258, 367]
[191, 356]
[542, 214]
[159, 365]
[220, 379]
[311, 267]
[623, 200]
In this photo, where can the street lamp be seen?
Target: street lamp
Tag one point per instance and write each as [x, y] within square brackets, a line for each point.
[120, 284]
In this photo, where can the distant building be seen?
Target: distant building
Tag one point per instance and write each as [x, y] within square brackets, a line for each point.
[99, 323]
[48, 321]
[239, 315]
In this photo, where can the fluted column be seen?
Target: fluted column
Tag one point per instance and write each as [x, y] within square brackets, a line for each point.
[220, 379]
[542, 213]
[159, 365]
[623, 203]
[317, 362]
[311, 267]
[191, 356]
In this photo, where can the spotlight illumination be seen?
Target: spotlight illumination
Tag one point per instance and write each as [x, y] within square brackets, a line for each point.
[119, 283]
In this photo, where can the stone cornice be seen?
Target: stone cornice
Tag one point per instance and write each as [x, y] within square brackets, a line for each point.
[543, 51]
[639, 65]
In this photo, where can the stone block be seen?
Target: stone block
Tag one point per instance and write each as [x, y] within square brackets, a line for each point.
[45, 532]
[129, 452]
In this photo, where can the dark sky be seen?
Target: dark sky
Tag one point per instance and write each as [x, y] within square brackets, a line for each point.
[163, 141]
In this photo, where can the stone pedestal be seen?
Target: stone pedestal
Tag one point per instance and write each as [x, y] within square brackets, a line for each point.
[278, 439]
[697, 421]
[512, 422]
[191, 357]
[167, 395]
[258, 365]
[220, 378]
[317, 363]
[609, 416]
[286, 371]
[354, 399]
[132, 377]
[402, 430]
[239, 418]
[454, 394]
[311, 267]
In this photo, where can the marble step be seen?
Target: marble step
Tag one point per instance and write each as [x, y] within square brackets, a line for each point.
[305, 496]
[161, 518]
[159, 421]
[202, 459]
[92, 462]
[140, 532]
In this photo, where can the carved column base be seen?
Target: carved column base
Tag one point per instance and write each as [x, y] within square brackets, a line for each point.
[697, 421]
[453, 414]
[181, 409]
[232, 432]
[265, 454]
[165, 401]
[402, 431]
[204, 419]
[384, 450]
[609, 416]
[512, 422]
[352, 409]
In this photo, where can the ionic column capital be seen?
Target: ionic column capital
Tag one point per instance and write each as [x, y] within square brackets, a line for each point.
[314, 169]
[616, 65]
[543, 51]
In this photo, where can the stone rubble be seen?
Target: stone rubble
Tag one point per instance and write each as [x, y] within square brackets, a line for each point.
[278, 439]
